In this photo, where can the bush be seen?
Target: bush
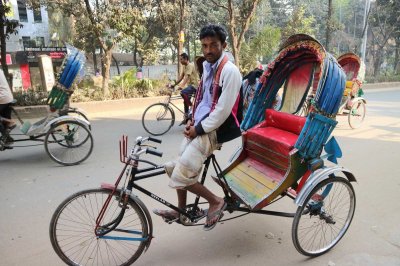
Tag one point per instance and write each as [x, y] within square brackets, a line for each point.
[30, 97]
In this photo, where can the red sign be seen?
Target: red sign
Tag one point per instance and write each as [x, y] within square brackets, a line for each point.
[57, 55]
[8, 59]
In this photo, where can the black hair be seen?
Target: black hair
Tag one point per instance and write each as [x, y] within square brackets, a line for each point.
[184, 56]
[212, 30]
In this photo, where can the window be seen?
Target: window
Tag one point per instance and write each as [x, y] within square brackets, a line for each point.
[26, 41]
[37, 15]
[23, 15]
[40, 41]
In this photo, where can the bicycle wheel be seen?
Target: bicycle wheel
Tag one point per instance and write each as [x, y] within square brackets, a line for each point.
[72, 230]
[357, 114]
[324, 217]
[71, 142]
[157, 119]
[79, 114]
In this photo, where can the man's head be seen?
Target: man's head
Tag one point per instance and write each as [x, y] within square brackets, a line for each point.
[184, 59]
[213, 42]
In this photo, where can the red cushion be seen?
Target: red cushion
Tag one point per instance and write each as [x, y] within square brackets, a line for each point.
[279, 140]
[284, 121]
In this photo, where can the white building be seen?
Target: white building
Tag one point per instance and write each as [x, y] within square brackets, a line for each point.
[35, 31]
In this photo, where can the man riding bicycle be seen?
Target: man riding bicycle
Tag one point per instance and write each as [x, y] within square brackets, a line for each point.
[188, 80]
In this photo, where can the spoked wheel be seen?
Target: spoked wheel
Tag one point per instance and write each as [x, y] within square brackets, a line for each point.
[324, 217]
[72, 230]
[357, 114]
[68, 142]
[158, 118]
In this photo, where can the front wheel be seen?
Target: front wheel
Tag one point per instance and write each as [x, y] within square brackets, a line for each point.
[357, 114]
[324, 217]
[68, 142]
[157, 119]
[72, 230]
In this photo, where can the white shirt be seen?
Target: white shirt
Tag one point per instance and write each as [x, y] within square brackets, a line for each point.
[5, 92]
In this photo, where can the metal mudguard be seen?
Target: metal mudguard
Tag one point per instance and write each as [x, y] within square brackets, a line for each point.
[65, 118]
[318, 176]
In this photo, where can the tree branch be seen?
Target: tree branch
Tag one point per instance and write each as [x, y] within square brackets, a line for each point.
[219, 5]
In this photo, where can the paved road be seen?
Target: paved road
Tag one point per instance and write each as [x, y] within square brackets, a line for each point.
[31, 187]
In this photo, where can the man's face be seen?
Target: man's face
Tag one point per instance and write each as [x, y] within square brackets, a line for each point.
[183, 60]
[212, 48]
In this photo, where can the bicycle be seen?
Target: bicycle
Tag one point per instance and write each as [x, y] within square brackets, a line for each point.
[110, 225]
[158, 118]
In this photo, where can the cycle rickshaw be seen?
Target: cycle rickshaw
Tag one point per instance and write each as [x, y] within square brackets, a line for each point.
[281, 156]
[65, 131]
[353, 104]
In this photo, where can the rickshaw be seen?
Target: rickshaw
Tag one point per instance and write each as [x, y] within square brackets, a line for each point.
[65, 131]
[353, 104]
[281, 155]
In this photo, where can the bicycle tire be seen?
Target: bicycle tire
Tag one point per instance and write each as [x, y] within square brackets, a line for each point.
[316, 215]
[356, 114]
[77, 215]
[161, 123]
[74, 142]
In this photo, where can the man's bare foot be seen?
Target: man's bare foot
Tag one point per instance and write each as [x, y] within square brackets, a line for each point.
[167, 215]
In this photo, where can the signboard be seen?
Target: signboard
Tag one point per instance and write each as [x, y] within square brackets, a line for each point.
[46, 72]
[55, 53]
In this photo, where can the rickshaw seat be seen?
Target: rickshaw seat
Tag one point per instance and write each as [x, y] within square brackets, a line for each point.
[265, 165]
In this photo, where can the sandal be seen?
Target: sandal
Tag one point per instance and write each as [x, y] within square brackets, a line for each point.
[167, 215]
[218, 215]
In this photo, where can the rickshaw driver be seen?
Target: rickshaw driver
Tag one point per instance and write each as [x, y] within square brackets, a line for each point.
[214, 122]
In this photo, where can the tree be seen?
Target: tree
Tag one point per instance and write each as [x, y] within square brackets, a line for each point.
[109, 20]
[299, 23]
[384, 21]
[262, 45]
[239, 14]
[7, 27]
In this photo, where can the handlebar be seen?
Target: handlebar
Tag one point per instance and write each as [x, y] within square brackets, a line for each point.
[154, 152]
[154, 140]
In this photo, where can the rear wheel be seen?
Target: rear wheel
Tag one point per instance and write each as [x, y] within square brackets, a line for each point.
[72, 230]
[158, 118]
[357, 114]
[68, 142]
[324, 217]
[78, 114]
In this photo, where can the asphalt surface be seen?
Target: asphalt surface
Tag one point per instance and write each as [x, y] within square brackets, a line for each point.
[32, 186]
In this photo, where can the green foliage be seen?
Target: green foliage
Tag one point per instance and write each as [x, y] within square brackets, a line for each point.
[299, 23]
[30, 97]
[263, 45]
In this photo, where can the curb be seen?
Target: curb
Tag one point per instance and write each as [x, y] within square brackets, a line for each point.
[136, 106]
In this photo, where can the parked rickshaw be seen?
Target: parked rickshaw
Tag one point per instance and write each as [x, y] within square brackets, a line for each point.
[65, 131]
[353, 103]
[281, 155]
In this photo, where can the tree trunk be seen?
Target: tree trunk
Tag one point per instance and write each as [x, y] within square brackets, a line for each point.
[180, 44]
[377, 61]
[116, 64]
[106, 76]
[328, 25]
[135, 50]
[102, 62]
[396, 57]
[94, 59]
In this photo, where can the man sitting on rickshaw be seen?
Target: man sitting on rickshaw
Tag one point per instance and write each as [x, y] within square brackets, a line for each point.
[214, 121]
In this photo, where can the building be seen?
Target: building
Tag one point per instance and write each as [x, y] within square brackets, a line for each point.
[33, 39]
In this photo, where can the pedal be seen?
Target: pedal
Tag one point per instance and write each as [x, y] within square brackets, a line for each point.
[168, 221]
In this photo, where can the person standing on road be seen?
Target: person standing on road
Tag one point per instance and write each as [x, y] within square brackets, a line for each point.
[188, 82]
[214, 121]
